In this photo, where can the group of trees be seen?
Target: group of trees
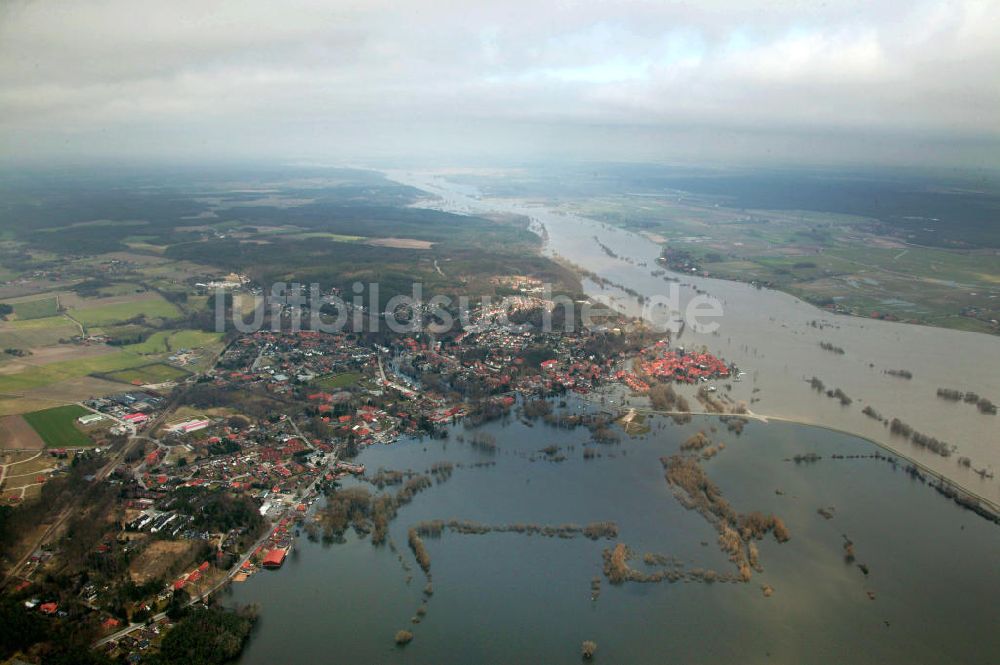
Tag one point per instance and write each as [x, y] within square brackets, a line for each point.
[346, 507]
[900, 428]
[219, 510]
[663, 397]
[56, 494]
[56, 640]
[419, 551]
[367, 513]
[593, 530]
[737, 531]
[872, 413]
[984, 405]
[206, 636]
[839, 394]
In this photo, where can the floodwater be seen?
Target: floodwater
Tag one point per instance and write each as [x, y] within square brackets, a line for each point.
[505, 597]
[769, 335]
[929, 595]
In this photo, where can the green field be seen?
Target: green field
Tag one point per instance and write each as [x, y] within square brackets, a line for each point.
[143, 374]
[166, 341]
[36, 309]
[338, 381]
[37, 332]
[40, 324]
[44, 375]
[57, 426]
[103, 315]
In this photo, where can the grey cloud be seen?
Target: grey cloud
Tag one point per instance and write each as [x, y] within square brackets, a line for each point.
[750, 80]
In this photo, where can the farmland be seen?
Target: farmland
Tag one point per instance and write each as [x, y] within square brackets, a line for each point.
[102, 315]
[168, 341]
[57, 426]
[56, 372]
[36, 309]
[16, 433]
[32, 333]
[147, 374]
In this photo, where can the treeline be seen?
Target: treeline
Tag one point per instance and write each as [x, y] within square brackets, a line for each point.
[593, 530]
[947, 490]
[833, 393]
[419, 551]
[872, 413]
[899, 428]
[618, 570]
[984, 405]
[827, 346]
[840, 395]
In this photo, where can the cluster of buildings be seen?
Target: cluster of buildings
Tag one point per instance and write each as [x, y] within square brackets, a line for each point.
[131, 411]
[661, 362]
[299, 402]
[278, 360]
[170, 523]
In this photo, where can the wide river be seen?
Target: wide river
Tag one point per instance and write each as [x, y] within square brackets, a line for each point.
[770, 335]
[922, 588]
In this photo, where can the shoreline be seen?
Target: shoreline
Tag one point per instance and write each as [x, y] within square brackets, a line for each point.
[993, 506]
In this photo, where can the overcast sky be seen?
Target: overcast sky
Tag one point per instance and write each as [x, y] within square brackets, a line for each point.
[834, 81]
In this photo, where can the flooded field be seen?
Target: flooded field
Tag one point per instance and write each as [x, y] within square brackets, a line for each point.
[917, 583]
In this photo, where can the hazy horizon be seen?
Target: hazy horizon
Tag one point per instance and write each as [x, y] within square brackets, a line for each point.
[851, 83]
